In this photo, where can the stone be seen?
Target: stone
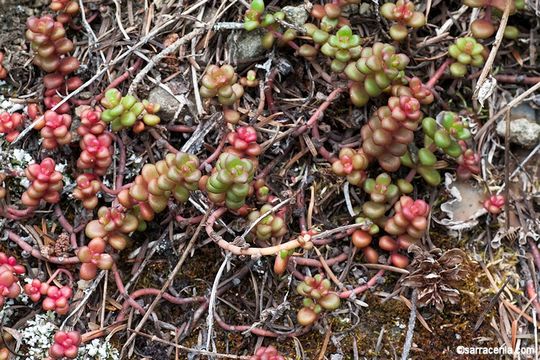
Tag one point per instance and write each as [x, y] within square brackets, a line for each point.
[245, 45]
[524, 111]
[522, 132]
[296, 15]
[168, 103]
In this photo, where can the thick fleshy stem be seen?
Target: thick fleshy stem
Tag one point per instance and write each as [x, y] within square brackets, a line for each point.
[215, 154]
[360, 289]
[300, 241]
[61, 271]
[150, 291]
[319, 112]
[438, 74]
[258, 331]
[37, 254]
[122, 290]
[180, 128]
[66, 225]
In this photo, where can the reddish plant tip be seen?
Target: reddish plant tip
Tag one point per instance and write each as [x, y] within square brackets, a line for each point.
[91, 122]
[410, 218]
[495, 204]
[50, 45]
[468, 162]
[243, 142]
[94, 257]
[267, 353]
[66, 344]
[57, 299]
[55, 129]
[87, 187]
[35, 289]
[96, 153]
[10, 125]
[56, 86]
[3, 71]
[46, 183]
[9, 282]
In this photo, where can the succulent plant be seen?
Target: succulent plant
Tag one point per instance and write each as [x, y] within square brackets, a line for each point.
[10, 125]
[497, 4]
[253, 16]
[126, 111]
[50, 45]
[230, 181]
[466, 51]
[46, 183]
[390, 130]
[177, 175]
[351, 163]
[317, 297]
[468, 162]
[281, 261]
[271, 226]
[329, 15]
[91, 122]
[3, 71]
[410, 218]
[424, 162]
[243, 142]
[436, 274]
[416, 89]
[511, 33]
[33, 290]
[56, 84]
[55, 129]
[96, 153]
[222, 82]
[65, 345]
[250, 80]
[9, 283]
[267, 353]
[94, 257]
[112, 225]
[374, 71]
[494, 204]
[382, 192]
[56, 299]
[262, 191]
[482, 28]
[87, 187]
[66, 8]
[403, 14]
[342, 47]
[447, 135]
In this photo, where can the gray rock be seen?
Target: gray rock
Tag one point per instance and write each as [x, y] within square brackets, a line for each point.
[168, 103]
[522, 132]
[245, 45]
[296, 15]
[524, 111]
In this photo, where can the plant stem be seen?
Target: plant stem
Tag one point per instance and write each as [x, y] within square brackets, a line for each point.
[437, 75]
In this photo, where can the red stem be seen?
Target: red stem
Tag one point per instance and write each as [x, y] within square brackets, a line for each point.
[258, 331]
[437, 75]
[180, 128]
[362, 288]
[151, 291]
[215, 154]
[57, 272]
[37, 254]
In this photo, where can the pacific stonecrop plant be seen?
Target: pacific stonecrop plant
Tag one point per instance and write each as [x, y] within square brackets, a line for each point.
[391, 218]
